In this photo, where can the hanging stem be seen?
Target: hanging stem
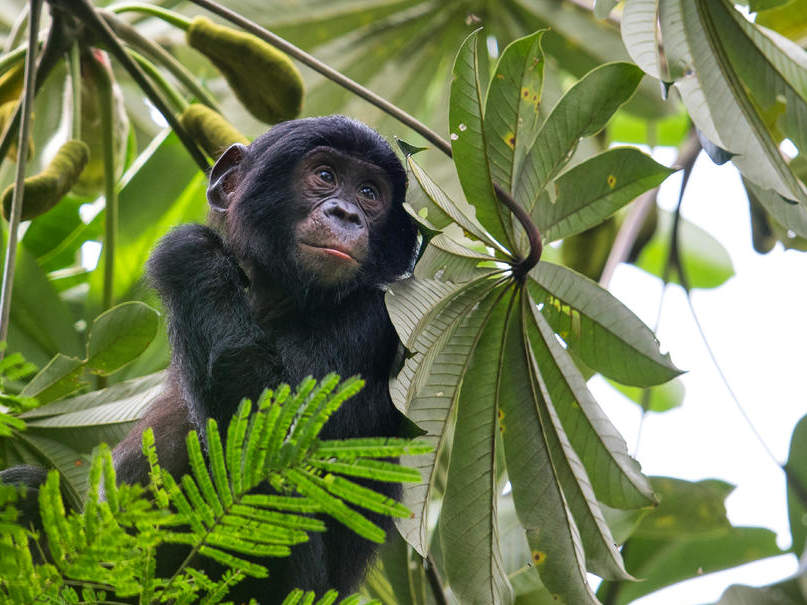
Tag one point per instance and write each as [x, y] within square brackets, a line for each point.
[330, 73]
[523, 266]
[166, 15]
[57, 43]
[22, 155]
[106, 104]
[133, 38]
[151, 70]
[74, 62]
[83, 11]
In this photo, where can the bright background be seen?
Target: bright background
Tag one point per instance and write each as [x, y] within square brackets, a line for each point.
[756, 327]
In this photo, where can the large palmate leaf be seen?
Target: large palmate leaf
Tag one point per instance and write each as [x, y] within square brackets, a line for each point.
[487, 378]
[744, 87]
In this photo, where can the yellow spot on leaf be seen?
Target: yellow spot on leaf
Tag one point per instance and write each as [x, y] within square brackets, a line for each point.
[501, 414]
[500, 76]
[538, 557]
[525, 93]
[510, 139]
[611, 181]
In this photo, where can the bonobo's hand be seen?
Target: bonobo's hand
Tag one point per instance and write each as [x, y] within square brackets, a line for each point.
[190, 261]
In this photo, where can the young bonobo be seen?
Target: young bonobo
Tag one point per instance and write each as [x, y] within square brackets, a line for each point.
[307, 226]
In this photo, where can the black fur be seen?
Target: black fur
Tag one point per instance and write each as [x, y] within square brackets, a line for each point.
[244, 315]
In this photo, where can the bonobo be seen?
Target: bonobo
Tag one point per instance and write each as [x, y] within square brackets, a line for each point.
[306, 228]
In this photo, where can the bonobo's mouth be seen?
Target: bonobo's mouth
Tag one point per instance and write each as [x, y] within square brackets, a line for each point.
[334, 252]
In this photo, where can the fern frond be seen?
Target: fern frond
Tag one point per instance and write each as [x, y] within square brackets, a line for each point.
[307, 484]
[200, 473]
[364, 497]
[372, 447]
[369, 469]
[236, 433]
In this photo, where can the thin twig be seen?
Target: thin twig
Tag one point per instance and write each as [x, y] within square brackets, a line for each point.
[84, 11]
[19, 180]
[131, 36]
[329, 72]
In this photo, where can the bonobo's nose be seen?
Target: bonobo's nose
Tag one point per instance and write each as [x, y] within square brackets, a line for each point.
[345, 212]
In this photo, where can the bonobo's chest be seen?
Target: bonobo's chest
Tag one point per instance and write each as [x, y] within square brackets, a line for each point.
[353, 337]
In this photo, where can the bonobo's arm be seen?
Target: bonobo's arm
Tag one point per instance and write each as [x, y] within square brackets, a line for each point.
[219, 351]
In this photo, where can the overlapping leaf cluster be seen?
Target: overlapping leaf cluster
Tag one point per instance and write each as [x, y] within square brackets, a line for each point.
[745, 88]
[110, 546]
[494, 351]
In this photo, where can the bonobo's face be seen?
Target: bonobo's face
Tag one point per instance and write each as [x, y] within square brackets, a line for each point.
[340, 200]
[314, 208]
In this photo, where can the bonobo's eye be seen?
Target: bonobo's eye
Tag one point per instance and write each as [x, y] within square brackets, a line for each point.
[326, 174]
[368, 192]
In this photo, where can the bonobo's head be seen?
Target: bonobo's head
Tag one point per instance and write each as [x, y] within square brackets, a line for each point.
[315, 204]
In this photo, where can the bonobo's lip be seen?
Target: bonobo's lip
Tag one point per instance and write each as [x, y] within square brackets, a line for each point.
[332, 251]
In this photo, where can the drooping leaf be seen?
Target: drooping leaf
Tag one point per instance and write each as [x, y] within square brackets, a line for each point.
[459, 211]
[58, 379]
[602, 555]
[606, 335]
[543, 510]
[615, 475]
[429, 381]
[687, 535]
[479, 576]
[743, 87]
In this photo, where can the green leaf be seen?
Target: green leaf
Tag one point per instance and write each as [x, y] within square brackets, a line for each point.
[460, 212]
[449, 260]
[469, 525]
[542, 508]
[441, 325]
[595, 189]
[748, 90]
[615, 475]
[123, 391]
[687, 536]
[582, 111]
[686, 509]
[602, 554]
[790, 20]
[58, 379]
[40, 324]
[796, 491]
[788, 592]
[641, 36]
[468, 142]
[512, 111]
[119, 335]
[606, 335]
[661, 398]
[706, 261]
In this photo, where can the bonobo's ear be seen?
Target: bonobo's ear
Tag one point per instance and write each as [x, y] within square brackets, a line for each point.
[222, 177]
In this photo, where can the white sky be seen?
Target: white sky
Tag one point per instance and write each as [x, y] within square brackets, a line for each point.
[756, 327]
